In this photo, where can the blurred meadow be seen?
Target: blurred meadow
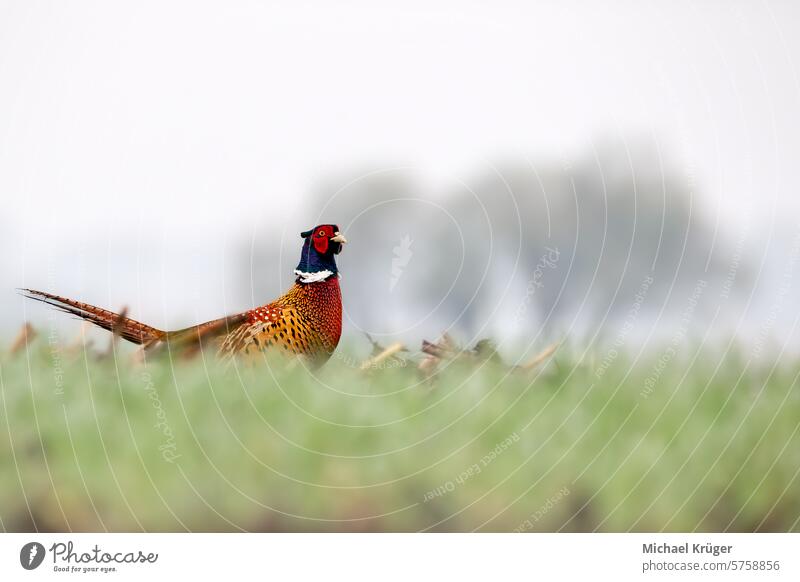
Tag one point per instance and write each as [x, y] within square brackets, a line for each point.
[573, 445]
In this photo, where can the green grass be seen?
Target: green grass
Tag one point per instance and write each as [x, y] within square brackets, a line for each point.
[713, 447]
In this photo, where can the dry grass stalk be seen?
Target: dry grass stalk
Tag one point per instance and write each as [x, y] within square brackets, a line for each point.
[444, 349]
[24, 337]
[536, 361]
[483, 351]
[387, 353]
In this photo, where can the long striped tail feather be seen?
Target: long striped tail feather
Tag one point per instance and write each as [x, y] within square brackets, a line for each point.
[119, 324]
[151, 339]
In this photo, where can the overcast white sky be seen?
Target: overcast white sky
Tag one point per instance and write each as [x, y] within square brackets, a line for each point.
[184, 120]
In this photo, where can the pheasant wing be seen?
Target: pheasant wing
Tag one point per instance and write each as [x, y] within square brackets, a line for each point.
[273, 326]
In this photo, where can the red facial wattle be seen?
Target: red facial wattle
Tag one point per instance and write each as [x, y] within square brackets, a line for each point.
[321, 238]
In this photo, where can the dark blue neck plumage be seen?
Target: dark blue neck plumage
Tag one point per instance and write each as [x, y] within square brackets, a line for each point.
[311, 261]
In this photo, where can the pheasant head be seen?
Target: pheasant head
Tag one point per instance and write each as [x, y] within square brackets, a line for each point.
[318, 257]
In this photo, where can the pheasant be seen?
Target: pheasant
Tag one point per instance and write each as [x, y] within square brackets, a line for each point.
[305, 321]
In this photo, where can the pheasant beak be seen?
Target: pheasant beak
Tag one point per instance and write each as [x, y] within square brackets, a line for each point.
[339, 238]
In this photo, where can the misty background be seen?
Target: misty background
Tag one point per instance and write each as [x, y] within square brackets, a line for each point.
[524, 172]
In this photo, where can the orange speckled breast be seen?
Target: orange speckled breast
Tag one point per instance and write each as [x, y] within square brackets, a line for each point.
[306, 321]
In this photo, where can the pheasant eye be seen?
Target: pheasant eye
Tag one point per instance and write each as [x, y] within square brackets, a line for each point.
[321, 233]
